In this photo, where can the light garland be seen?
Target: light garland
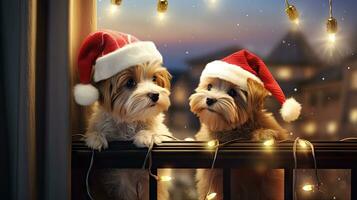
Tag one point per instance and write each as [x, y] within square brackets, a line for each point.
[331, 25]
[149, 157]
[212, 143]
[162, 6]
[307, 187]
[269, 143]
[116, 2]
[292, 13]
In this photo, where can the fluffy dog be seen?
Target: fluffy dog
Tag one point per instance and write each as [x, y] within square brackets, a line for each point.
[130, 107]
[229, 102]
[125, 76]
[226, 112]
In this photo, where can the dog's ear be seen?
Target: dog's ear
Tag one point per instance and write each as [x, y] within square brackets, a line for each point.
[163, 78]
[256, 95]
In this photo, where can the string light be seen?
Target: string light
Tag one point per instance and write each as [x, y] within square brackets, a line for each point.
[215, 143]
[162, 6]
[212, 143]
[165, 178]
[189, 139]
[303, 144]
[211, 196]
[116, 2]
[292, 13]
[307, 187]
[269, 142]
[331, 25]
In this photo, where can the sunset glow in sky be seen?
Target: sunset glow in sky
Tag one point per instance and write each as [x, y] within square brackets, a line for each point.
[194, 27]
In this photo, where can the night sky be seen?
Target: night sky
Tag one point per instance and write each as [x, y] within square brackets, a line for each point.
[195, 27]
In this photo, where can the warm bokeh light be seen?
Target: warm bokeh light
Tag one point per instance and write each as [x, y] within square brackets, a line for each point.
[308, 187]
[310, 128]
[331, 127]
[353, 115]
[284, 73]
[211, 196]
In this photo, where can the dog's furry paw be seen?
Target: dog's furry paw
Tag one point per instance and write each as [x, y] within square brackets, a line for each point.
[264, 134]
[96, 141]
[143, 139]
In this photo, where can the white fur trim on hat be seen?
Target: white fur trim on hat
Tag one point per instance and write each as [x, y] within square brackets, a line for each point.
[290, 110]
[127, 56]
[228, 72]
[85, 94]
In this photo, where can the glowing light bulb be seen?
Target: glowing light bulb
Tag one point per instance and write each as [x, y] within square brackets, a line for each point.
[331, 27]
[269, 142]
[308, 187]
[189, 139]
[303, 143]
[292, 14]
[165, 178]
[212, 195]
[212, 143]
[296, 21]
[162, 6]
[161, 16]
[332, 37]
[116, 2]
[113, 9]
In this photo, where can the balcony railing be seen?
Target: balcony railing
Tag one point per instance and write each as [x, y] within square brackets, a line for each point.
[329, 155]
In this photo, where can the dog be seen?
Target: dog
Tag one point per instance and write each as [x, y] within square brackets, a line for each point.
[227, 112]
[130, 108]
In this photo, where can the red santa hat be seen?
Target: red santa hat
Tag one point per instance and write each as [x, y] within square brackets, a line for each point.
[240, 66]
[104, 54]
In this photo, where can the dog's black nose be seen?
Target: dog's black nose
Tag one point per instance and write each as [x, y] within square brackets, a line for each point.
[154, 96]
[210, 101]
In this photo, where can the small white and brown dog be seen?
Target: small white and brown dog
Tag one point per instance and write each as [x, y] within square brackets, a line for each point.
[132, 89]
[229, 102]
[130, 107]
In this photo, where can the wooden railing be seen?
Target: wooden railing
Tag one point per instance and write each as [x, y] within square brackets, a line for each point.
[329, 155]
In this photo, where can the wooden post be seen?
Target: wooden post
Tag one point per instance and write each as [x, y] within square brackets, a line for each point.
[226, 183]
[288, 183]
[153, 185]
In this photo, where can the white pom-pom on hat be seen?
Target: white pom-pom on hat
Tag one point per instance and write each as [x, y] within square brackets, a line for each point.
[85, 94]
[290, 110]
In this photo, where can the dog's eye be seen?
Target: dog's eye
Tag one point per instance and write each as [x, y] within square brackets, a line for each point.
[130, 83]
[232, 92]
[154, 78]
[209, 87]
